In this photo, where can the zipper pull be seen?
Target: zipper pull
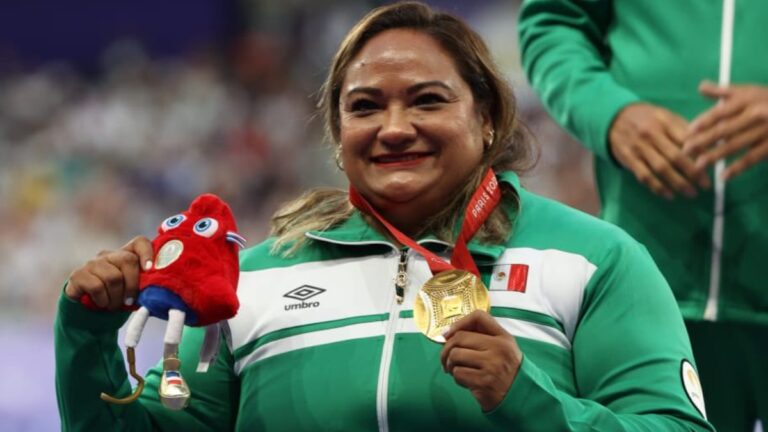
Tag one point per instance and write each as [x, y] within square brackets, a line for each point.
[401, 280]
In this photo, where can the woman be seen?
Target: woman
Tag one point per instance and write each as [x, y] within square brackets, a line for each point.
[582, 333]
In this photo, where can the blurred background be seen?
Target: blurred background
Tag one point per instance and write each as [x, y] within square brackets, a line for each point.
[114, 115]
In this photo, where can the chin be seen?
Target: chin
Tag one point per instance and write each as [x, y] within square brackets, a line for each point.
[403, 192]
[394, 197]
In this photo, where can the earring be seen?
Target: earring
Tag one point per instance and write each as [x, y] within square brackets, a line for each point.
[487, 144]
[337, 157]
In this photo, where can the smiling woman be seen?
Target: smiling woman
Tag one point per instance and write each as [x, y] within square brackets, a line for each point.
[351, 317]
[410, 130]
[418, 111]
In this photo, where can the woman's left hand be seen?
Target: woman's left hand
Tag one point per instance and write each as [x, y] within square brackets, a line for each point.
[482, 357]
[740, 119]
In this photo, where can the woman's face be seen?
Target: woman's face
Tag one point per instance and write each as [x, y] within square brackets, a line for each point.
[411, 133]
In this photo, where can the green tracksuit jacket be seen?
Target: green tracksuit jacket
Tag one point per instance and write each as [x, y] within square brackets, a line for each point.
[320, 342]
[588, 59]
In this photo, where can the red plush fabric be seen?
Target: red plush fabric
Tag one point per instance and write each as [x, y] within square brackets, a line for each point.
[205, 274]
[203, 271]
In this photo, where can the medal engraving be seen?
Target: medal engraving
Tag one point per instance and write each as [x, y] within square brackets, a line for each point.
[445, 299]
[169, 253]
[451, 306]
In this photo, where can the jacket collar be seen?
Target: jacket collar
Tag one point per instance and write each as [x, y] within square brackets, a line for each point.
[355, 231]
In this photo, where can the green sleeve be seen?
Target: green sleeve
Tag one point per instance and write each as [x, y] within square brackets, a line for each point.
[562, 44]
[89, 361]
[628, 351]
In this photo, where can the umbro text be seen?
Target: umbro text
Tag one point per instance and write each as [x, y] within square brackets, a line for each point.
[302, 305]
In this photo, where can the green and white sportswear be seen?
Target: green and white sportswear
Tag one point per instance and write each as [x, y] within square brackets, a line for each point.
[589, 59]
[320, 342]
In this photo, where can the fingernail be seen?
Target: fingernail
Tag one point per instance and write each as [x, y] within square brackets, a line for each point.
[148, 265]
[128, 301]
[445, 332]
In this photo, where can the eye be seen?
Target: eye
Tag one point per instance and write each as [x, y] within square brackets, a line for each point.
[172, 222]
[363, 105]
[206, 227]
[429, 99]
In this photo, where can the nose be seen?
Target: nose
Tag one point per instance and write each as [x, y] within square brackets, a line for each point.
[397, 128]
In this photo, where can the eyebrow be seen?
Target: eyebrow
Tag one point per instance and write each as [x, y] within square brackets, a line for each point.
[417, 87]
[373, 91]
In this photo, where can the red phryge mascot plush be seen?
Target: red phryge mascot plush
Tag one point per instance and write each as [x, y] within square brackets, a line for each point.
[193, 281]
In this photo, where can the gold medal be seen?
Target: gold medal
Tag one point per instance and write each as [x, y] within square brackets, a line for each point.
[446, 298]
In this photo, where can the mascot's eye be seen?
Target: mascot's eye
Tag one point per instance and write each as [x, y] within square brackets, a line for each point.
[206, 227]
[172, 222]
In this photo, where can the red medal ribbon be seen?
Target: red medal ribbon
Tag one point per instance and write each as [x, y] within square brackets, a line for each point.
[483, 202]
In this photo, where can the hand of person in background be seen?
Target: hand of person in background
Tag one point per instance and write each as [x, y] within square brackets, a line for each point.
[112, 278]
[740, 119]
[482, 357]
[648, 140]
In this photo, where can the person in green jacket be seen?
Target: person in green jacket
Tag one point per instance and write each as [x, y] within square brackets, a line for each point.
[582, 332]
[634, 81]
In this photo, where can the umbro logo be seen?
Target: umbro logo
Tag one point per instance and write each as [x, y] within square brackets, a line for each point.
[303, 293]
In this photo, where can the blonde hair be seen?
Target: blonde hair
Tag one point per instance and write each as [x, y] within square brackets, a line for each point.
[323, 208]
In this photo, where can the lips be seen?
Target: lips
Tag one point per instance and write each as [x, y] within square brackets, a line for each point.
[400, 158]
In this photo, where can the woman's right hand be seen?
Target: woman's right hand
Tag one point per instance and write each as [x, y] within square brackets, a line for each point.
[112, 278]
[647, 140]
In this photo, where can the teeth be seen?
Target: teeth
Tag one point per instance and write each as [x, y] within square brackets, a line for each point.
[387, 159]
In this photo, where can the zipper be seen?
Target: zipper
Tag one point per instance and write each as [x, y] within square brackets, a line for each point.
[401, 280]
[726, 47]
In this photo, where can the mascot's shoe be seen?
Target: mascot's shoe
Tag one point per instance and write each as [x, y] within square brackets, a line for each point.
[174, 393]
